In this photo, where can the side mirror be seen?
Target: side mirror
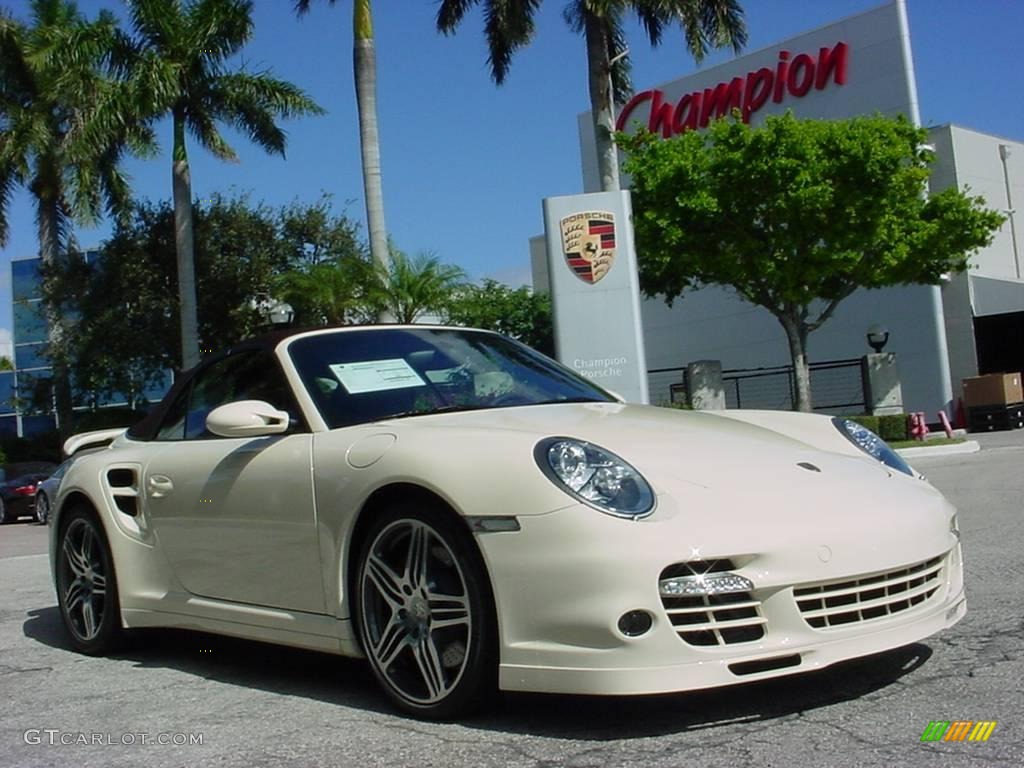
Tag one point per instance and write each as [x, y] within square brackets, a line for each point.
[247, 418]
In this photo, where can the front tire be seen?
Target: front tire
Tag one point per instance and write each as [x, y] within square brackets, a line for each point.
[425, 612]
[87, 585]
[42, 510]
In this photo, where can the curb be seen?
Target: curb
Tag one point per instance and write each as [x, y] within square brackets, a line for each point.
[970, 446]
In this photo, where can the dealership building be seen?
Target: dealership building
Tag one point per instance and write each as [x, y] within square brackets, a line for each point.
[857, 66]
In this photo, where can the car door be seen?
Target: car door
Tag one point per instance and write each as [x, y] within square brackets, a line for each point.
[235, 516]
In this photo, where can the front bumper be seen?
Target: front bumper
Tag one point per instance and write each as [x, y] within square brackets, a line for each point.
[562, 582]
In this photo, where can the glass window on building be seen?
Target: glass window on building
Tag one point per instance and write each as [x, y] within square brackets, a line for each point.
[29, 321]
[28, 356]
[7, 392]
[8, 426]
[34, 425]
[26, 281]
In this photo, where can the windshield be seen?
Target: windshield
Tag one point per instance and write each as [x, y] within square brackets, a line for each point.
[359, 376]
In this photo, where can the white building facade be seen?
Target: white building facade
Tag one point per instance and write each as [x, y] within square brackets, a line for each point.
[856, 66]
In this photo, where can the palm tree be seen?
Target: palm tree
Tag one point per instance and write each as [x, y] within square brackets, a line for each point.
[365, 72]
[182, 70]
[60, 138]
[413, 287]
[333, 291]
[509, 26]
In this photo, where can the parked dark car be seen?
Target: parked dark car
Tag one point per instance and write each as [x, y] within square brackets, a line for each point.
[46, 492]
[18, 496]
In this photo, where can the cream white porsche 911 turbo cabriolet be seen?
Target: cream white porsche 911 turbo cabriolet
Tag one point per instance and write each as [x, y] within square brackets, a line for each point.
[471, 516]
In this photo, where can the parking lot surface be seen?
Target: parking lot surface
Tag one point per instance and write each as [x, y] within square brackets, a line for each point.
[252, 704]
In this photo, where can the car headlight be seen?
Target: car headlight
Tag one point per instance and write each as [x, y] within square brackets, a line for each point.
[595, 476]
[872, 445]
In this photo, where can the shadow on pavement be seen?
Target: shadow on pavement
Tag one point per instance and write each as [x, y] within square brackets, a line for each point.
[349, 683]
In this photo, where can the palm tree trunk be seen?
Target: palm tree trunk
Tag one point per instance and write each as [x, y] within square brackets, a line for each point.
[48, 213]
[796, 334]
[599, 72]
[365, 68]
[184, 243]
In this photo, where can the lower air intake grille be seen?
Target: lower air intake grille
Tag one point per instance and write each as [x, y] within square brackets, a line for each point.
[874, 596]
[710, 620]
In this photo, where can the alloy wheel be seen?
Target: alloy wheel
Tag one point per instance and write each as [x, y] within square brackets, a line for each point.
[42, 508]
[82, 579]
[416, 612]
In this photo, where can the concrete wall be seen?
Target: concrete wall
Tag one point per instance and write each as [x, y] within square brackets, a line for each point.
[713, 323]
[979, 169]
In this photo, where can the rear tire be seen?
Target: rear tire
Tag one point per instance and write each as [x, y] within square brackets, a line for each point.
[425, 613]
[87, 584]
[6, 516]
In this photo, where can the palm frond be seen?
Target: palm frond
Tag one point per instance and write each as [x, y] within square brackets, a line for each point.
[724, 23]
[159, 24]
[203, 128]
[252, 102]
[302, 6]
[508, 26]
[9, 179]
[217, 29]
[450, 14]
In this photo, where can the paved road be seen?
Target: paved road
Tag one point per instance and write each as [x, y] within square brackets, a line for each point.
[259, 705]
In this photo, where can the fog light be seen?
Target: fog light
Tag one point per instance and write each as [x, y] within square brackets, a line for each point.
[635, 623]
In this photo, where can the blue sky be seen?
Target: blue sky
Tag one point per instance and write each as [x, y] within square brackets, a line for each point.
[466, 164]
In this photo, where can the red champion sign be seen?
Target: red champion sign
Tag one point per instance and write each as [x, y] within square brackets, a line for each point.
[795, 77]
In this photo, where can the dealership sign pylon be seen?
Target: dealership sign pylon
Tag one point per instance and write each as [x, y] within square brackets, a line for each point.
[595, 291]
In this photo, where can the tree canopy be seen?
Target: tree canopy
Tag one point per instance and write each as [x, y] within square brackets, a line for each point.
[121, 346]
[516, 312]
[796, 215]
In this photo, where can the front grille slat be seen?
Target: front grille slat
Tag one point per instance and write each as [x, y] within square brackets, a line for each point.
[712, 620]
[869, 597]
[864, 605]
[733, 606]
[871, 583]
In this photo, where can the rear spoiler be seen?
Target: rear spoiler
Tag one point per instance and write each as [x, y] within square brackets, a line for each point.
[95, 439]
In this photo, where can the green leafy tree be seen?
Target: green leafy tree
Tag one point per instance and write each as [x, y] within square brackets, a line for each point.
[516, 312]
[61, 85]
[181, 68]
[796, 215]
[510, 25]
[126, 302]
[414, 286]
[364, 58]
[329, 277]
[5, 363]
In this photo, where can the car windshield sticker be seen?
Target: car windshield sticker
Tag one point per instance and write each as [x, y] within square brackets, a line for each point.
[376, 375]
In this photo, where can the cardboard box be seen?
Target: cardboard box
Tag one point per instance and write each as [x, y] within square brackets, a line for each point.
[993, 389]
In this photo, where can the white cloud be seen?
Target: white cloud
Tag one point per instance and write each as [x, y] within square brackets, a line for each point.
[6, 350]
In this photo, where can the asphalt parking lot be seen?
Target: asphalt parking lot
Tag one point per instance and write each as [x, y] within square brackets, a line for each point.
[260, 705]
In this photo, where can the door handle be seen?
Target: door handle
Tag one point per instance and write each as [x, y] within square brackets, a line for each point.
[159, 485]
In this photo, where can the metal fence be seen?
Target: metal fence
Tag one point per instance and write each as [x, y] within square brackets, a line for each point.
[837, 386]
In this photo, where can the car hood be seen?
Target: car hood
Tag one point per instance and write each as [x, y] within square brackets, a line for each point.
[669, 445]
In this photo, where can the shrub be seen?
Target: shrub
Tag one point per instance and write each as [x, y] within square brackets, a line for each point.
[893, 428]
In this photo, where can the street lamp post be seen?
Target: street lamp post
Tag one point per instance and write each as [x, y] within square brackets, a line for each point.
[1004, 154]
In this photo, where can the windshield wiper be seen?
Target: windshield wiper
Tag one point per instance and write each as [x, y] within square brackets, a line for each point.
[557, 400]
[438, 409]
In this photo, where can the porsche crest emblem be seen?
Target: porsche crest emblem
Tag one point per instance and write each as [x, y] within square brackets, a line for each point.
[588, 242]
